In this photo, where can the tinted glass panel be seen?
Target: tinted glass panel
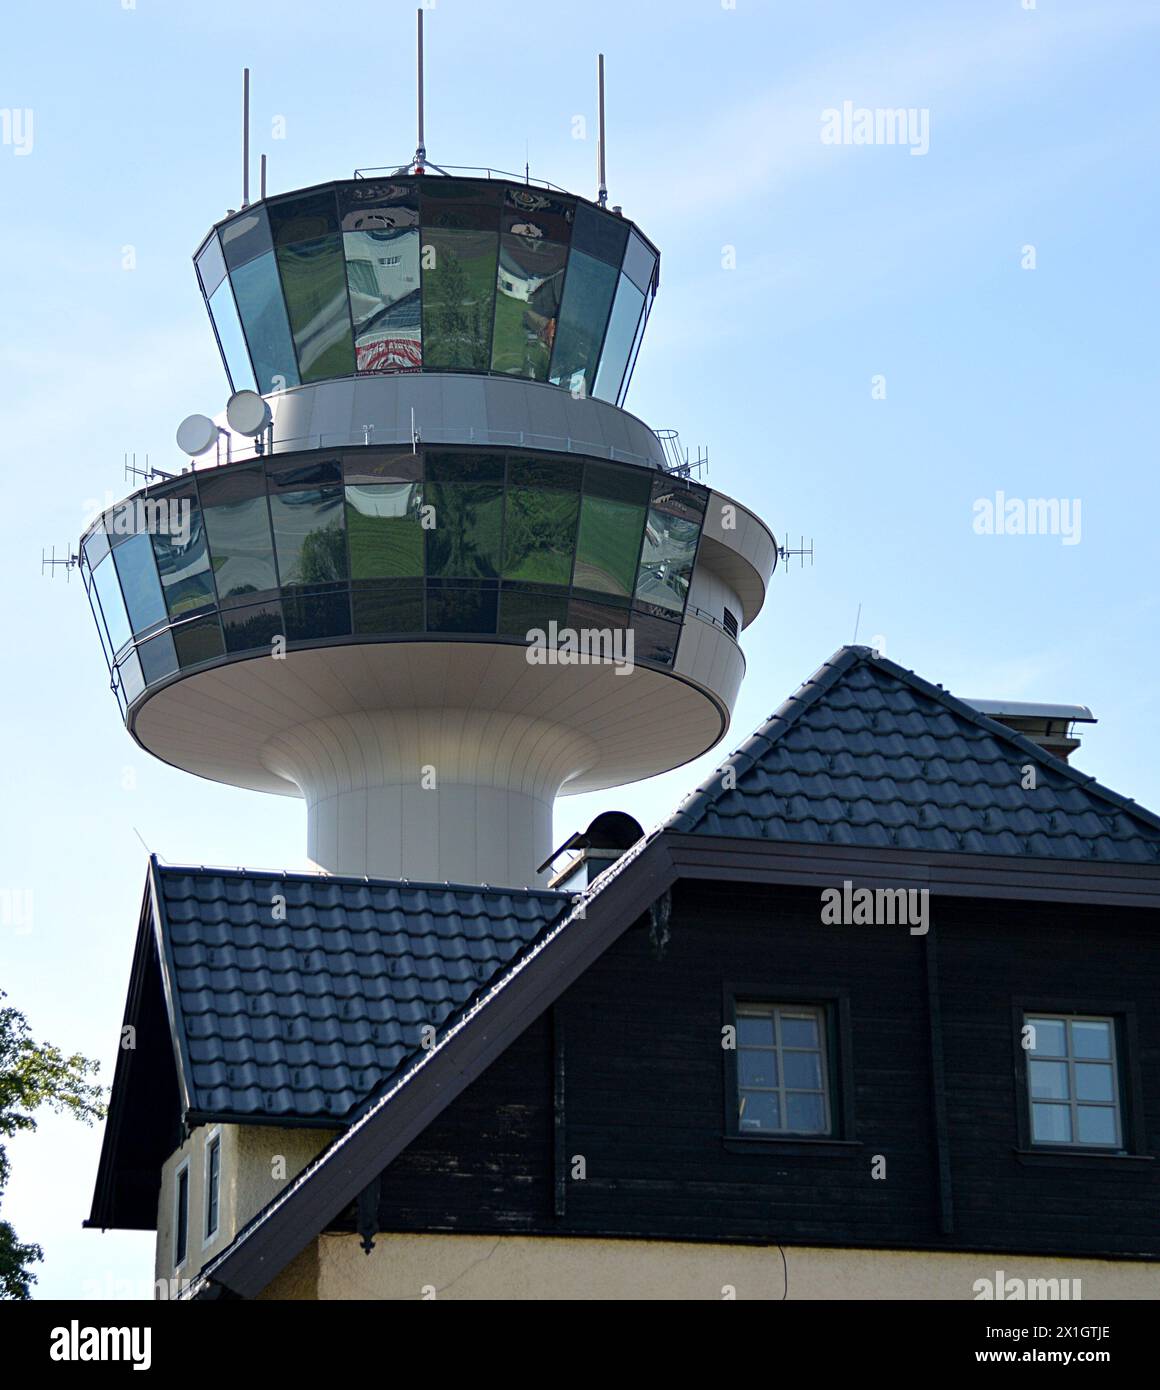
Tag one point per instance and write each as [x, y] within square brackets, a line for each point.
[238, 529]
[258, 293]
[309, 535]
[599, 234]
[1091, 1039]
[520, 613]
[317, 615]
[96, 546]
[387, 608]
[588, 291]
[303, 217]
[229, 332]
[622, 328]
[1095, 1124]
[655, 640]
[254, 625]
[456, 204]
[639, 263]
[314, 281]
[465, 539]
[636, 347]
[183, 560]
[461, 609]
[245, 237]
[139, 582]
[537, 214]
[197, 641]
[464, 468]
[132, 681]
[112, 604]
[564, 474]
[368, 205]
[382, 271]
[540, 535]
[158, 658]
[609, 545]
[211, 266]
[530, 278]
[384, 530]
[459, 276]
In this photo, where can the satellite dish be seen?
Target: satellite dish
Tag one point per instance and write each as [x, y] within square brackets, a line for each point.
[196, 435]
[247, 413]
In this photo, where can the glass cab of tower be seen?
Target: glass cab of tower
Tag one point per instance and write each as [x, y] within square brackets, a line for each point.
[366, 545]
[432, 274]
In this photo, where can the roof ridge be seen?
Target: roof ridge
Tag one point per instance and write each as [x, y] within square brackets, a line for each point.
[356, 880]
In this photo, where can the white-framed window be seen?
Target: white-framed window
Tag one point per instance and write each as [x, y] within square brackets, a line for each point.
[213, 1183]
[783, 1080]
[181, 1215]
[1073, 1080]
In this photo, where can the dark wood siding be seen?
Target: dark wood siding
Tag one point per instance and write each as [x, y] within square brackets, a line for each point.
[644, 1089]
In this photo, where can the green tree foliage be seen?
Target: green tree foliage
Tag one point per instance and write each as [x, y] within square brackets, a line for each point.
[32, 1075]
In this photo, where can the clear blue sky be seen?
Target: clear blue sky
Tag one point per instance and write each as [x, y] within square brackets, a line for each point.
[851, 262]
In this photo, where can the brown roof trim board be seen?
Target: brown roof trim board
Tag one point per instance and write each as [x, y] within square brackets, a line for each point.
[390, 1121]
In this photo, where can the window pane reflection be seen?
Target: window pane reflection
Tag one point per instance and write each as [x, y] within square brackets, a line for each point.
[182, 559]
[258, 293]
[211, 266]
[459, 272]
[670, 547]
[237, 523]
[229, 332]
[112, 604]
[639, 263]
[540, 535]
[198, 641]
[588, 293]
[382, 271]
[317, 615]
[139, 582]
[618, 342]
[462, 608]
[520, 613]
[314, 281]
[384, 530]
[530, 277]
[383, 608]
[131, 679]
[254, 625]
[309, 535]
[465, 540]
[158, 657]
[245, 237]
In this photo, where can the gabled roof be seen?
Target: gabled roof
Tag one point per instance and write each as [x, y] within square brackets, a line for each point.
[867, 753]
[288, 999]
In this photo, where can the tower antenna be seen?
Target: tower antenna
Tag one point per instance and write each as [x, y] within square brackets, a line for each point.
[602, 192]
[245, 137]
[421, 147]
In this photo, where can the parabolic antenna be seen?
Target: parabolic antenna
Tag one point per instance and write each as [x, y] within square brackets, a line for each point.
[196, 435]
[247, 413]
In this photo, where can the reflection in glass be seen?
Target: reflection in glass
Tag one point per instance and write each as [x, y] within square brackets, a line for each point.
[303, 217]
[324, 614]
[537, 214]
[229, 332]
[384, 530]
[639, 263]
[131, 679]
[387, 608]
[609, 544]
[599, 234]
[670, 547]
[459, 276]
[111, 603]
[245, 237]
[382, 271]
[588, 291]
[139, 583]
[530, 277]
[254, 625]
[1095, 1124]
[464, 542]
[237, 524]
[96, 545]
[655, 639]
[309, 535]
[641, 326]
[521, 612]
[622, 326]
[1051, 1124]
[198, 641]
[258, 293]
[462, 608]
[314, 281]
[158, 657]
[211, 266]
[183, 561]
[540, 535]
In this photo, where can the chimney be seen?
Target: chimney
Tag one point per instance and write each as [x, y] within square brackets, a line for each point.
[1050, 726]
[605, 840]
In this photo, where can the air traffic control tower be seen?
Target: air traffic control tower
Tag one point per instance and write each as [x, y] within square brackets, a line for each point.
[391, 594]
